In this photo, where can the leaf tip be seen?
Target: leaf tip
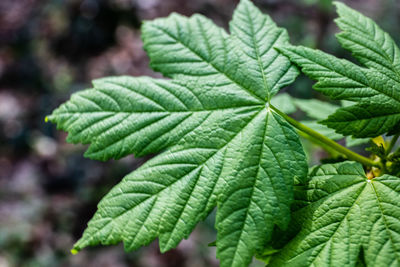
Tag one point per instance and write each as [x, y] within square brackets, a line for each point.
[342, 8]
[74, 251]
[338, 4]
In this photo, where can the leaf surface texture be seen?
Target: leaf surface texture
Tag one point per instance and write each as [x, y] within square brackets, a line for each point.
[221, 145]
[344, 214]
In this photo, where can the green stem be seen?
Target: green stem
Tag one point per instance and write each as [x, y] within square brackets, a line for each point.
[392, 143]
[315, 141]
[323, 139]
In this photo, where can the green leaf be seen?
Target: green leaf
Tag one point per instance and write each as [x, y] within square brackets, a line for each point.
[374, 88]
[368, 42]
[221, 144]
[314, 108]
[195, 47]
[125, 115]
[346, 213]
[363, 120]
[168, 195]
[257, 193]
[257, 35]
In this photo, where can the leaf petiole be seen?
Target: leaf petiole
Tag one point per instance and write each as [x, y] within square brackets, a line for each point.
[326, 141]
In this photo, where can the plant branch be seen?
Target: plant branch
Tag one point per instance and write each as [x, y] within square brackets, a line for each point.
[323, 139]
[315, 141]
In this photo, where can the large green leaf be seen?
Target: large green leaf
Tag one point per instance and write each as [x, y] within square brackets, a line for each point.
[346, 213]
[221, 144]
[373, 88]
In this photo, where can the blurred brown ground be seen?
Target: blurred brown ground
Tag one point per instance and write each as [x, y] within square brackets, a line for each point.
[51, 48]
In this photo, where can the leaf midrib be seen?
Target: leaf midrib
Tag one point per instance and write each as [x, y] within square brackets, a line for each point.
[365, 34]
[340, 223]
[389, 68]
[362, 119]
[384, 219]
[253, 187]
[208, 62]
[199, 166]
[255, 45]
[107, 112]
[344, 74]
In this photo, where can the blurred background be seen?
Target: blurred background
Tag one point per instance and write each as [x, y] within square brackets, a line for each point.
[52, 48]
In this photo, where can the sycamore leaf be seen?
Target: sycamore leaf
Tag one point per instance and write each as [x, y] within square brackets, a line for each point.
[373, 88]
[346, 213]
[221, 144]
